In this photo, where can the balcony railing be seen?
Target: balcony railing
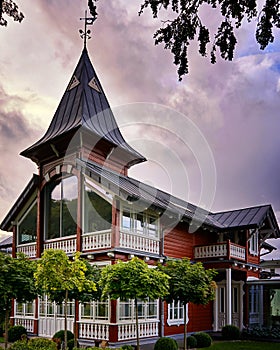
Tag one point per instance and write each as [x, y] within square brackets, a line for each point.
[139, 242]
[67, 244]
[97, 240]
[94, 241]
[225, 250]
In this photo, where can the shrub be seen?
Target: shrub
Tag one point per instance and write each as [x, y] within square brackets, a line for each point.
[166, 343]
[19, 345]
[60, 335]
[191, 342]
[230, 332]
[203, 339]
[127, 347]
[15, 333]
[41, 344]
[70, 344]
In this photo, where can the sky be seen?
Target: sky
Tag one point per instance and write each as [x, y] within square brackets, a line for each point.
[212, 139]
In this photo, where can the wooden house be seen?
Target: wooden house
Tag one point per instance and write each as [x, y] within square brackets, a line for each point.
[82, 199]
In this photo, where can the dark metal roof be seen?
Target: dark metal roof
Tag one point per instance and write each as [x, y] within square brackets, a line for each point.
[248, 217]
[22, 199]
[134, 190]
[6, 242]
[85, 105]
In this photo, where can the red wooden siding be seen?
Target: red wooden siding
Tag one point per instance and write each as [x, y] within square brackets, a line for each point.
[179, 243]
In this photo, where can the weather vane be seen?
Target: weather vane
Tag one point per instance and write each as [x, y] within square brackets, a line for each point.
[85, 34]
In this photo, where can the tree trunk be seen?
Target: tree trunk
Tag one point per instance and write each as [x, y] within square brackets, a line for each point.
[65, 320]
[137, 324]
[185, 326]
[7, 314]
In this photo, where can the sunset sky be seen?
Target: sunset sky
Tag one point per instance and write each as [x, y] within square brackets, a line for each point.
[212, 139]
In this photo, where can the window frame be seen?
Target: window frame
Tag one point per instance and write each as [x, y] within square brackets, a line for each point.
[176, 307]
[144, 304]
[134, 213]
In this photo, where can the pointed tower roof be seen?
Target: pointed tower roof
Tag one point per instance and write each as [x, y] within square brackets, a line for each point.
[85, 105]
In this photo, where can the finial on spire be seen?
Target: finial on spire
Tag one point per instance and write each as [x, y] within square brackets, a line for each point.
[85, 34]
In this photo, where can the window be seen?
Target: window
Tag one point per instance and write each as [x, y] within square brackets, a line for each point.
[139, 222]
[25, 309]
[146, 310]
[97, 210]
[48, 308]
[27, 228]
[175, 313]
[61, 207]
[95, 311]
[235, 300]
[253, 243]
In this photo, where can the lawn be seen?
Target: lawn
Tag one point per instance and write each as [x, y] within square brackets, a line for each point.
[243, 345]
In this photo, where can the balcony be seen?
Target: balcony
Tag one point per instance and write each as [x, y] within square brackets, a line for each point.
[225, 250]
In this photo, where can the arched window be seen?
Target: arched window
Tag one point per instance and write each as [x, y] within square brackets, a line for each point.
[61, 198]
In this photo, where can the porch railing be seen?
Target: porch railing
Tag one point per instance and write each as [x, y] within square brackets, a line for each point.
[139, 242]
[67, 244]
[97, 240]
[128, 331]
[27, 323]
[221, 250]
[28, 249]
[93, 331]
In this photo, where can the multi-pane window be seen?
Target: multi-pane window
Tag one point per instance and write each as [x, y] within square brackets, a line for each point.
[48, 308]
[146, 310]
[97, 208]
[139, 222]
[253, 243]
[61, 198]
[27, 227]
[175, 313]
[25, 309]
[95, 311]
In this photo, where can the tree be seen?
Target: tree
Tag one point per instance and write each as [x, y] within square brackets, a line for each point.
[60, 278]
[189, 283]
[9, 8]
[16, 282]
[133, 280]
[186, 25]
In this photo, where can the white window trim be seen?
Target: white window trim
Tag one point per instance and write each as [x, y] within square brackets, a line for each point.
[132, 309]
[253, 242]
[133, 212]
[171, 308]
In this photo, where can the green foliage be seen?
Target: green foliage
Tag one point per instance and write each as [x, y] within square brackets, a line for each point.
[70, 344]
[133, 280]
[19, 345]
[187, 23]
[203, 339]
[127, 347]
[261, 332]
[191, 342]
[60, 335]
[189, 282]
[15, 333]
[166, 343]
[231, 332]
[56, 273]
[41, 344]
